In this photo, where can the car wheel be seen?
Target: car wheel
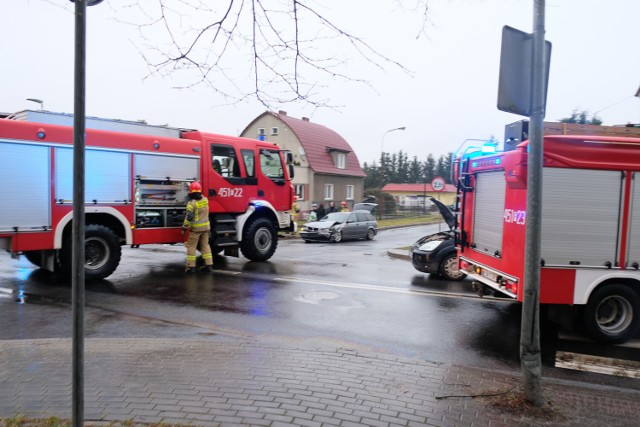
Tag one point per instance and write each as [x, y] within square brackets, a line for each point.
[612, 314]
[449, 268]
[371, 234]
[337, 237]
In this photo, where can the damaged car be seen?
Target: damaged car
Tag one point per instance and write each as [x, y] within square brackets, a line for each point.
[338, 226]
[436, 253]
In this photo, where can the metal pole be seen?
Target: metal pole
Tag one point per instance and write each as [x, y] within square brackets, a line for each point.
[77, 269]
[530, 358]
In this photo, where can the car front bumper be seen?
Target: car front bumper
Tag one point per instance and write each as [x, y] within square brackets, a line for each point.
[425, 261]
[315, 236]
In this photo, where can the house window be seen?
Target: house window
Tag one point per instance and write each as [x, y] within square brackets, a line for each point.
[341, 160]
[274, 131]
[299, 190]
[260, 131]
[328, 191]
[350, 192]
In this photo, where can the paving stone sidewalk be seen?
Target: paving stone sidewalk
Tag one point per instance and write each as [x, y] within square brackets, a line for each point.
[245, 382]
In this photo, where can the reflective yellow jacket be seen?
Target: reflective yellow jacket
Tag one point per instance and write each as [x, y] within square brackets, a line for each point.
[197, 217]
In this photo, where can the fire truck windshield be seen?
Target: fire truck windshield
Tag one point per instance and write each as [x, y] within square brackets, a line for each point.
[271, 164]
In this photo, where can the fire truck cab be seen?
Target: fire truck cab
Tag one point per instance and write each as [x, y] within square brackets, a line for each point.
[590, 237]
[136, 187]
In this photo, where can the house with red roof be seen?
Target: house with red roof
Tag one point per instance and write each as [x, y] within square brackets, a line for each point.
[411, 196]
[326, 167]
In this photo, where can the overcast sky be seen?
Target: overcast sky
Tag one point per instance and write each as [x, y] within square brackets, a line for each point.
[448, 95]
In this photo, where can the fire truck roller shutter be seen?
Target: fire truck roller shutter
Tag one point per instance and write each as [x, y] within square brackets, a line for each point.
[580, 216]
[107, 176]
[488, 221]
[156, 166]
[24, 172]
[633, 248]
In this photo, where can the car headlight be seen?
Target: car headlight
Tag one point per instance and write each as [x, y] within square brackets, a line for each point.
[431, 245]
[324, 231]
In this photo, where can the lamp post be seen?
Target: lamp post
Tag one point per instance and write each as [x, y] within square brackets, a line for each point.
[77, 228]
[382, 147]
[385, 134]
[38, 101]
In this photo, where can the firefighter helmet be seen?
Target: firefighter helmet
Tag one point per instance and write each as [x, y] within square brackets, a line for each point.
[343, 203]
[195, 187]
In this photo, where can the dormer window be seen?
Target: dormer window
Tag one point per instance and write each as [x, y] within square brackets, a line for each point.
[339, 157]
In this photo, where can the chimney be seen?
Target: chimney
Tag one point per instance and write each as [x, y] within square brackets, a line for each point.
[305, 119]
[282, 113]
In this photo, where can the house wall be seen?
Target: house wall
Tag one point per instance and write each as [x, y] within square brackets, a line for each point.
[339, 189]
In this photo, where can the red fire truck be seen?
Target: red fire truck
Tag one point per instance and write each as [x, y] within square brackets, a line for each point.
[136, 183]
[590, 237]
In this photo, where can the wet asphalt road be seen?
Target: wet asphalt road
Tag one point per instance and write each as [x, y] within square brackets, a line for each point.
[350, 294]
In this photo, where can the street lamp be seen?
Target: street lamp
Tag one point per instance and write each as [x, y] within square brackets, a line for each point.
[385, 134]
[38, 101]
[78, 223]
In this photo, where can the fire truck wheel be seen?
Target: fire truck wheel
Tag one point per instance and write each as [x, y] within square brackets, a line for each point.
[259, 241]
[612, 314]
[449, 268]
[102, 253]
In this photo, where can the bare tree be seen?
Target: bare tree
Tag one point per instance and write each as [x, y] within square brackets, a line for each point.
[277, 51]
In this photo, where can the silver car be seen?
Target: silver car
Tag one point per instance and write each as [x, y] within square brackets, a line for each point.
[338, 226]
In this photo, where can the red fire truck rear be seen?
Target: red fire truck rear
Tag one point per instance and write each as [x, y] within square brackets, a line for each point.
[136, 183]
[590, 237]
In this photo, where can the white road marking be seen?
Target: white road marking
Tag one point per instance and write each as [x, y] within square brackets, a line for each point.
[389, 289]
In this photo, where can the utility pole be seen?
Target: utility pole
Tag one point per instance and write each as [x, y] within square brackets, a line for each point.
[530, 357]
[77, 228]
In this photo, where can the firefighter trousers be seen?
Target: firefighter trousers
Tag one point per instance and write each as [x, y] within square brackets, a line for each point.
[198, 239]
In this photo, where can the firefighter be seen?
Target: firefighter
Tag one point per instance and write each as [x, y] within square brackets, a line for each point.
[196, 221]
[343, 206]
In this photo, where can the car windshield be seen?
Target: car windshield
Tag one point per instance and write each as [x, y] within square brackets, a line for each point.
[335, 216]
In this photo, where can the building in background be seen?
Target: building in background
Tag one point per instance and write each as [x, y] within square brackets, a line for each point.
[413, 196]
[326, 167]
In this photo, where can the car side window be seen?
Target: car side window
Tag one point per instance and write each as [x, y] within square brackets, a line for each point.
[362, 217]
[352, 218]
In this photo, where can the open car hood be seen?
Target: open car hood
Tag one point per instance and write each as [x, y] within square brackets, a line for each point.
[446, 213]
[365, 206]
